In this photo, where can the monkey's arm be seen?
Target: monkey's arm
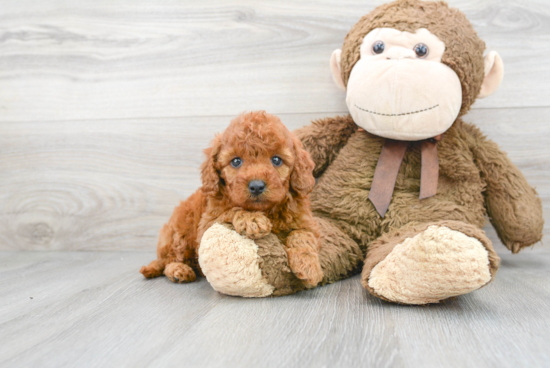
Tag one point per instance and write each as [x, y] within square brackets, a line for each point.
[324, 138]
[514, 207]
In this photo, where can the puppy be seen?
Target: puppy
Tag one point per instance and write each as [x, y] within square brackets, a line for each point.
[257, 177]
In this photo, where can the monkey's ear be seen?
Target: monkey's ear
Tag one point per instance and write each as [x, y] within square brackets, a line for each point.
[494, 71]
[335, 68]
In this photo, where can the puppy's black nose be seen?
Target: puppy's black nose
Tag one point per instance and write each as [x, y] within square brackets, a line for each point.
[256, 187]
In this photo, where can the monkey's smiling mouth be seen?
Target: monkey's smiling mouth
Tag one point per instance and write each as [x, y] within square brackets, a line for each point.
[402, 114]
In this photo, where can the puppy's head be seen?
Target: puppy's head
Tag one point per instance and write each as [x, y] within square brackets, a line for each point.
[257, 162]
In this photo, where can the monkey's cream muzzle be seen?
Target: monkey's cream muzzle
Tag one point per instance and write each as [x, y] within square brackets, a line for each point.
[404, 98]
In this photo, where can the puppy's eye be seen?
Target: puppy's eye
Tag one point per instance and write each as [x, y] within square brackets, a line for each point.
[421, 50]
[236, 162]
[378, 47]
[276, 161]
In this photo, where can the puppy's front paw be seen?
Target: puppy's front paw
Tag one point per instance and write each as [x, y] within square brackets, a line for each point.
[253, 225]
[179, 272]
[305, 266]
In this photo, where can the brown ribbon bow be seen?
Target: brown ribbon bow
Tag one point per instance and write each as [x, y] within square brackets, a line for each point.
[388, 166]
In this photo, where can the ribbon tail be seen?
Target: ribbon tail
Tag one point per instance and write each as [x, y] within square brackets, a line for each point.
[385, 174]
[429, 173]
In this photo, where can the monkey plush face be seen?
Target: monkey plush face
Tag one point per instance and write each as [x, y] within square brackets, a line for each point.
[399, 88]
[411, 81]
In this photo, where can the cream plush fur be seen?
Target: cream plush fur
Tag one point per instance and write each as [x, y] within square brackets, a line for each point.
[436, 264]
[231, 263]
[494, 72]
[415, 98]
[404, 107]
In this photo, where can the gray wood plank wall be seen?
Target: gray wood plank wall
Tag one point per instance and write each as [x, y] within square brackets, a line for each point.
[105, 106]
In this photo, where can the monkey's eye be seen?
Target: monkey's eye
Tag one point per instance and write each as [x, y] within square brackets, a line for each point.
[378, 47]
[421, 50]
[276, 161]
[236, 162]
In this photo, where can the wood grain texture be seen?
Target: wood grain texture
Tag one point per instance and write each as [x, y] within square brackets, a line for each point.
[110, 185]
[98, 184]
[114, 59]
[93, 309]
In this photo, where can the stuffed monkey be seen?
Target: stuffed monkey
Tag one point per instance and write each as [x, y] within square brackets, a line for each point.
[404, 184]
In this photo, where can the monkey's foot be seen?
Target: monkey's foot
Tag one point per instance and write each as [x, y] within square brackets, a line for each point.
[426, 266]
[236, 265]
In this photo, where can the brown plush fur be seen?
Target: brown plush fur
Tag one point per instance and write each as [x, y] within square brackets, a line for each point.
[475, 178]
[282, 209]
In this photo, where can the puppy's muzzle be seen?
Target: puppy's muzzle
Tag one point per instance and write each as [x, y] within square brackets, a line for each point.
[256, 187]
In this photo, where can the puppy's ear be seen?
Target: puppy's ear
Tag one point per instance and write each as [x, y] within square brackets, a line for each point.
[209, 174]
[301, 178]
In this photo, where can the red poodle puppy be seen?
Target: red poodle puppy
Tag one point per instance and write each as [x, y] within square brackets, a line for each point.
[257, 177]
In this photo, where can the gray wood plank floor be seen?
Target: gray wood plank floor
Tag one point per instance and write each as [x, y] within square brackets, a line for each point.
[93, 309]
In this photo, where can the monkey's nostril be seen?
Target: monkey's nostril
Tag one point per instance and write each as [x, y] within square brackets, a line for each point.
[256, 187]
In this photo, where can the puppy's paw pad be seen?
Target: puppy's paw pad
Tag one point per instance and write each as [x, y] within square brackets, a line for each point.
[253, 225]
[311, 278]
[259, 227]
[180, 273]
[305, 266]
[147, 272]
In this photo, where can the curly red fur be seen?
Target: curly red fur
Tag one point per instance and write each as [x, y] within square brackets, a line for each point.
[283, 208]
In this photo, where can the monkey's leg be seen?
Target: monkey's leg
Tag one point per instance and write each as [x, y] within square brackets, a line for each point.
[236, 265]
[340, 256]
[427, 263]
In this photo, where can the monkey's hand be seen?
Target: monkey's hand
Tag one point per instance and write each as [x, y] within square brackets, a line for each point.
[513, 206]
[302, 251]
[253, 225]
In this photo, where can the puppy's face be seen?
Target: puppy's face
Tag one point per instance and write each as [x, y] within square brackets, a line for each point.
[256, 179]
[256, 163]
